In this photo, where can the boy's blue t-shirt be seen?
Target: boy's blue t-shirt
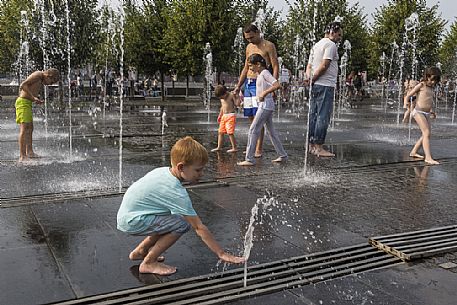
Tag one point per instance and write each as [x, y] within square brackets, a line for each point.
[157, 193]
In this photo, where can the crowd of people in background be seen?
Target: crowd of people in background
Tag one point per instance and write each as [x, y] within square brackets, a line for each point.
[94, 84]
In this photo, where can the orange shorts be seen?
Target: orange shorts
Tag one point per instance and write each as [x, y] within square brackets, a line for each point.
[227, 124]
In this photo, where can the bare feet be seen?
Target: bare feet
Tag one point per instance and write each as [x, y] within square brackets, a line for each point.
[257, 155]
[232, 150]
[416, 155]
[323, 153]
[245, 163]
[157, 268]
[137, 255]
[279, 159]
[33, 156]
[431, 162]
[215, 149]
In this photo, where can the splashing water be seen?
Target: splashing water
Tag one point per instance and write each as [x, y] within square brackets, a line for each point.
[208, 59]
[121, 96]
[164, 122]
[263, 203]
[260, 21]
[311, 74]
[238, 48]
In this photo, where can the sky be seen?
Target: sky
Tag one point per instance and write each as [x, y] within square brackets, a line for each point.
[446, 8]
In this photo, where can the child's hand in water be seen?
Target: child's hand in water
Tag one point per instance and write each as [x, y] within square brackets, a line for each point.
[231, 258]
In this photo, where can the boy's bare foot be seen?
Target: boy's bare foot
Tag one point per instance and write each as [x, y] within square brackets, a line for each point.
[22, 159]
[245, 163]
[33, 155]
[258, 155]
[138, 256]
[416, 155]
[431, 162]
[323, 153]
[215, 149]
[157, 268]
[232, 150]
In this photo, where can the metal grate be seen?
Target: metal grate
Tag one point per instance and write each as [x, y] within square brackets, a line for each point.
[418, 244]
[262, 279]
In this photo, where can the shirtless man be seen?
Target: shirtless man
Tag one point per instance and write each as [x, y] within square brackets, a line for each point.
[267, 49]
[227, 117]
[28, 91]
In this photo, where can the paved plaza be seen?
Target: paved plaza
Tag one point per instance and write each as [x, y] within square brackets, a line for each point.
[58, 236]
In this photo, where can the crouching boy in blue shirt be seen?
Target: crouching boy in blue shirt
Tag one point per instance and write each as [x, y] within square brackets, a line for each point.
[159, 207]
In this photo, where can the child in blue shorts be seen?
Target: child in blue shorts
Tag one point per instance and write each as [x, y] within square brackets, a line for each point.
[159, 207]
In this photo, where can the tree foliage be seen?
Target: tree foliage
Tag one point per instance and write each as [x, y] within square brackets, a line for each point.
[10, 31]
[307, 20]
[389, 27]
[164, 35]
[448, 51]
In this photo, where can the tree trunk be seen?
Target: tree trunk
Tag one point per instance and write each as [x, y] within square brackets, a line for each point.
[162, 85]
[187, 85]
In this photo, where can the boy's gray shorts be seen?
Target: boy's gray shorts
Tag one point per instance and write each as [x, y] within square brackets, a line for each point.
[158, 224]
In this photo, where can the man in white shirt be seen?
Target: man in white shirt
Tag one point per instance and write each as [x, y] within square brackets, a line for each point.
[322, 70]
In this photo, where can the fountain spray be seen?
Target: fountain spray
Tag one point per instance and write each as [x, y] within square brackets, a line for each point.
[121, 97]
[311, 74]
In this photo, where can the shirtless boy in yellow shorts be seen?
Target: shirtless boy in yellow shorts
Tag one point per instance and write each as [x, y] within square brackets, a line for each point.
[226, 118]
[28, 91]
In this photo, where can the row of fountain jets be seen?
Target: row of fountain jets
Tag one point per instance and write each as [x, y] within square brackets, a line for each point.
[297, 98]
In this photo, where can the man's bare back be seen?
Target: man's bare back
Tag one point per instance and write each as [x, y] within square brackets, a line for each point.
[31, 87]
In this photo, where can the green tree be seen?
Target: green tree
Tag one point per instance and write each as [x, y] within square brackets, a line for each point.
[220, 31]
[272, 24]
[448, 51]
[307, 20]
[183, 42]
[108, 50]
[389, 27]
[10, 31]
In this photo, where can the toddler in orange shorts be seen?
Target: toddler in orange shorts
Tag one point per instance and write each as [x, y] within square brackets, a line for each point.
[226, 118]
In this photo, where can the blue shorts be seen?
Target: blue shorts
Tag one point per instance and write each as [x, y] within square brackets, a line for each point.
[163, 224]
[250, 98]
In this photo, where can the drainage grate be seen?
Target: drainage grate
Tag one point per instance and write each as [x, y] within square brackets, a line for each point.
[60, 197]
[418, 244]
[262, 279]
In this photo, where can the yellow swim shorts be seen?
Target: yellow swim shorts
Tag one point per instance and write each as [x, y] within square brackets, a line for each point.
[23, 110]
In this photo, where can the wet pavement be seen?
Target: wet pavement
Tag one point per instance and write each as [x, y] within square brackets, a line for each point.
[56, 247]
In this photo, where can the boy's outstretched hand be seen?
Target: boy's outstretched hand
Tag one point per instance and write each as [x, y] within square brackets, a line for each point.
[231, 258]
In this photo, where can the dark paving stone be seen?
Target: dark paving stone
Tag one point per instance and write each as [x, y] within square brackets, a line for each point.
[30, 275]
[87, 249]
[370, 188]
[414, 283]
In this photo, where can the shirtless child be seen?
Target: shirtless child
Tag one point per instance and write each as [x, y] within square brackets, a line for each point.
[423, 111]
[28, 91]
[226, 118]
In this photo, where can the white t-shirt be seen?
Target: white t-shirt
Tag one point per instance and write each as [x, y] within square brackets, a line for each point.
[264, 81]
[326, 49]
